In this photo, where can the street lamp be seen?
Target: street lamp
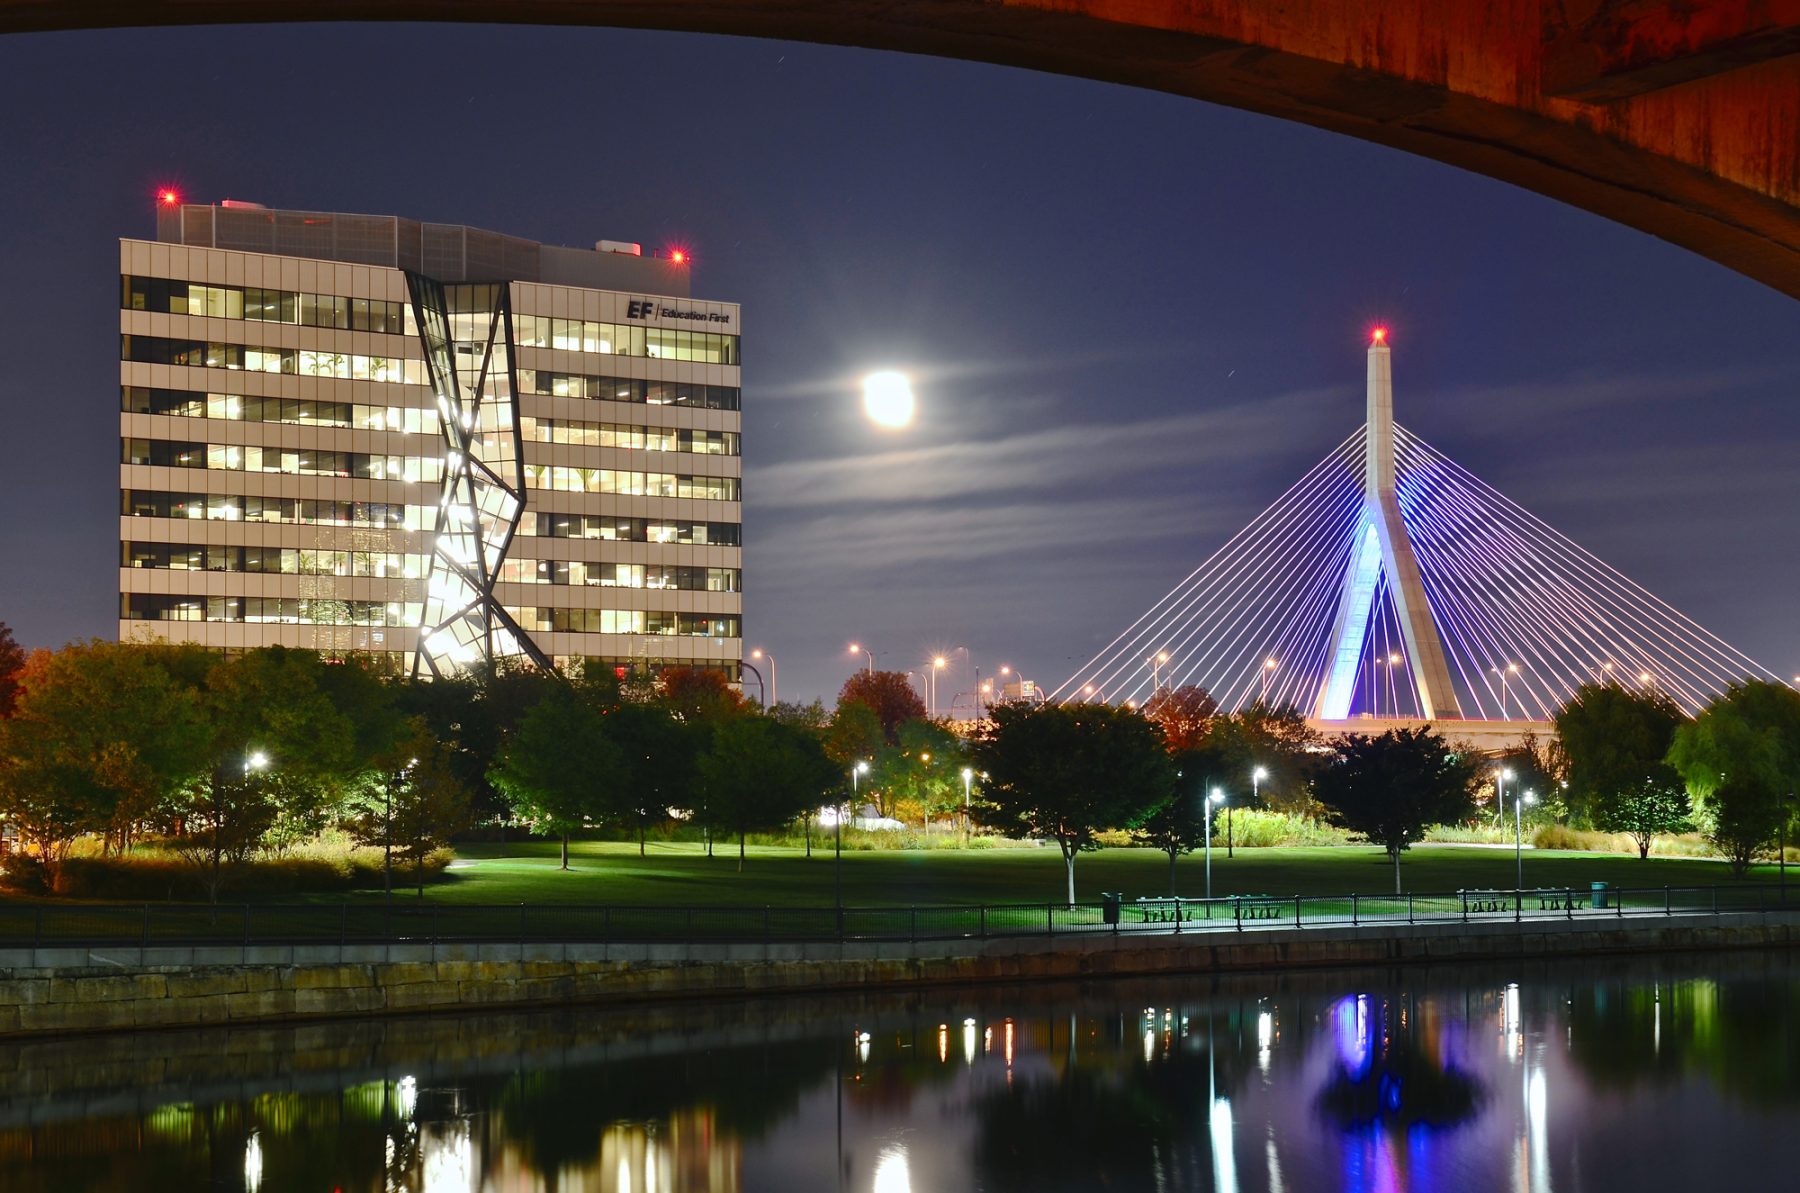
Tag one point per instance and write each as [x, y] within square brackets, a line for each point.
[1156, 661]
[1268, 673]
[1505, 675]
[938, 663]
[763, 654]
[837, 866]
[1216, 797]
[1256, 778]
[856, 649]
[968, 776]
[387, 830]
[255, 761]
[1393, 661]
[1500, 780]
[1530, 797]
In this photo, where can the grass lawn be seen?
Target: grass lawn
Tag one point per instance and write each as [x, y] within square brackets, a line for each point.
[680, 874]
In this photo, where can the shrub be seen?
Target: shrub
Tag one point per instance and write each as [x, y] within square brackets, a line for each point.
[150, 873]
[1254, 828]
[1469, 834]
[25, 873]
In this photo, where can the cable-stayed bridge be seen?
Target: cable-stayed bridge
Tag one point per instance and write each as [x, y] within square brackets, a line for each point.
[1389, 585]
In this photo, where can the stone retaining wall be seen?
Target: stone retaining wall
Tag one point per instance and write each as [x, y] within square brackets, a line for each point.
[55, 990]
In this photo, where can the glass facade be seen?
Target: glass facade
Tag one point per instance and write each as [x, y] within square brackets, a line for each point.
[378, 473]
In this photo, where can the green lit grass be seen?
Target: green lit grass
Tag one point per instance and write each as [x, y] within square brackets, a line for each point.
[679, 874]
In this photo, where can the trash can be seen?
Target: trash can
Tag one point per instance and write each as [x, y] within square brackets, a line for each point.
[1109, 906]
[1597, 891]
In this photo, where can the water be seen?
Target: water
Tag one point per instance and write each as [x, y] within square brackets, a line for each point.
[1646, 1075]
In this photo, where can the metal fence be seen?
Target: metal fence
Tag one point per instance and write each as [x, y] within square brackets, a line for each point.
[403, 920]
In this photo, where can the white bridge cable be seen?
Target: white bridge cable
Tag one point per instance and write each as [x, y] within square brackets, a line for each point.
[1505, 590]
[1323, 472]
[1578, 597]
[1263, 544]
[1498, 597]
[1265, 603]
[1459, 591]
[1246, 602]
[1682, 645]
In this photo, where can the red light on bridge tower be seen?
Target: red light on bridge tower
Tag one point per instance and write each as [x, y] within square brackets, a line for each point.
[1378, 337]
[167, 197]
[678, 256]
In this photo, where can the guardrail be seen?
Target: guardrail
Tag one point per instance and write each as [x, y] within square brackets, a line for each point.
[46, 925]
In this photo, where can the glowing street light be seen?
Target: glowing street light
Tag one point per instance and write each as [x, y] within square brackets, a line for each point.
[256, 761]
[837, 866]
[1268, 673]
[1217, 797]
[759, 653]
[1530, 797]
[858, 649]
[1156, 662]
[1256, 778]
[1501, 778]
[938, 663]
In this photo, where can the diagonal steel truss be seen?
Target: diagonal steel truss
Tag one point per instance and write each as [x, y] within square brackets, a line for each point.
[468, 355]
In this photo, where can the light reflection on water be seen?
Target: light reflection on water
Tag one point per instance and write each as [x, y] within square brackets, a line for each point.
[1653, 1075]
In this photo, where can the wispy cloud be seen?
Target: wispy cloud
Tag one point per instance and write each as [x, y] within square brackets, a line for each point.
[1075, 458]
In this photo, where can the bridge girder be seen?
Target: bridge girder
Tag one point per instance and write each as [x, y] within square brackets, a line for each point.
[1680, 120]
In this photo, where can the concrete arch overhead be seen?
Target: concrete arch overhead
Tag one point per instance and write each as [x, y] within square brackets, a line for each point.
[1679, 119]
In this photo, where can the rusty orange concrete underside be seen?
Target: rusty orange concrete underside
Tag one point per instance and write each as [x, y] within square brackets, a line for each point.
[1678, 118]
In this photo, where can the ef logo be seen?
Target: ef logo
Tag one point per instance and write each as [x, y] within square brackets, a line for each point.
[640, 309]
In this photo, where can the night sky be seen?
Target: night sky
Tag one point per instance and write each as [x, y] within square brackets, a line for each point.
[1134, 318]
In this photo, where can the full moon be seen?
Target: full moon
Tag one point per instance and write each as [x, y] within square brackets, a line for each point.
[888, 399]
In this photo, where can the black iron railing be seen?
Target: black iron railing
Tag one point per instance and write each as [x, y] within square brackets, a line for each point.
[48, 924]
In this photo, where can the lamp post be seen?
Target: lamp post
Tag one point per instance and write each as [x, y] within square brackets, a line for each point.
[1256, 778]
[1393, 661]
[1519, 802]
[763, 654]
[1505, 674]
[968, 776]
[837, 866]
[1500, 778]
[938, 663]
[1156, 661]
[1217, 796]
[762, 688]
[1268, 673]
[858, 649]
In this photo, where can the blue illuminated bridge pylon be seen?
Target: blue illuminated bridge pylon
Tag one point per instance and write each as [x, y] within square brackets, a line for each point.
[1390, 584]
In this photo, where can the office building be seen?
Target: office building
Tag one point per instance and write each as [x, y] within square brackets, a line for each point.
[427, 442]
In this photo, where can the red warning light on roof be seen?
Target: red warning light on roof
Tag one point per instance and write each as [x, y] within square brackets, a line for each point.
[679, 256]
[1379, 335]
[167, 197]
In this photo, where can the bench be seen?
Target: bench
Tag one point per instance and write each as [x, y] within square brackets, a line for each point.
[1480, 901]
[1259, 907]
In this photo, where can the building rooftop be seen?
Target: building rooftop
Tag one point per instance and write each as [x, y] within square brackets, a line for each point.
[447, 252]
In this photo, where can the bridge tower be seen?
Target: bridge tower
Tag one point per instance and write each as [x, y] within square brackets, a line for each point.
[1383, 548]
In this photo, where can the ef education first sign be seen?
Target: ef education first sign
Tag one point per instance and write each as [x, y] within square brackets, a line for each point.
[654, 310]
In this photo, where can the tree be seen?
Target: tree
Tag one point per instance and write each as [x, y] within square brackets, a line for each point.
[758, 773]
[1388, 788]
[423, 800]
[1179, 826]
[1743, 814]
[478, 711]
[1752, 730]
[279, 756]
[12, 661]
[102, 734]
[923, 765]
[656, 765]
[1184, 715]
[1613, 737]
[855, 734]
[1655, 804]
[889, 694]
[812, 716]
[1279, 741]
[559, 769]
[1065, 771]
[697, 694]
